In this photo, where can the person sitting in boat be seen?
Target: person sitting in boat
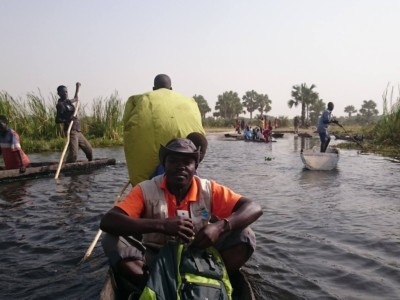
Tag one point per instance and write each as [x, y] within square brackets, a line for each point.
[324, 120]
[248, 133]
[259, 135]
[199, 140]
[178, 205]
[254, 133]
[10, 148]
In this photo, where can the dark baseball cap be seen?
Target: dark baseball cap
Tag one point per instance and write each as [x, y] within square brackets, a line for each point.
[179, 146]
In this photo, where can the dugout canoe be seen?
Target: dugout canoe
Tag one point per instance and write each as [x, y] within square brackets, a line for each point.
[49, 168]
[241, 138]
[315, 160]
[350, 138]
[277, 134]
[242, 289]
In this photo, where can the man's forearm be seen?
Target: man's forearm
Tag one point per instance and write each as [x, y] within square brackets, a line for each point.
[125, 225]
[21, 161]
[244, 215]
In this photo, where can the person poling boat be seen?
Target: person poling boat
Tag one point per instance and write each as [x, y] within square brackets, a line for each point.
[178, 205]
[66, 114]
[322, 128]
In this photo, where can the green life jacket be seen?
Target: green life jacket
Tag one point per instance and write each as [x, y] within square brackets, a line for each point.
[183, 273]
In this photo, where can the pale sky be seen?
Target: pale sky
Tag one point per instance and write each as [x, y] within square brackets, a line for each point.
[349, 49]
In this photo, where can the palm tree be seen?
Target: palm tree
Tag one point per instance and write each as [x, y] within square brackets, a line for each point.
[368, 110]
[301, 94]
[250, 102]
[350, 109]
[264, 103]
[202, 104]
[228, 105]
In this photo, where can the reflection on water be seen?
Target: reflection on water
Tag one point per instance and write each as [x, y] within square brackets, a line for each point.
[323, 235]
[14, 194]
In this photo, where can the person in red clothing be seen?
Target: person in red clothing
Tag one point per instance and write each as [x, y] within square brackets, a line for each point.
[178, 205]
[266, 133]
[10, 148]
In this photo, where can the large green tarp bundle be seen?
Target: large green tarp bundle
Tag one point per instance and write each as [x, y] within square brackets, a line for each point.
[152, 119]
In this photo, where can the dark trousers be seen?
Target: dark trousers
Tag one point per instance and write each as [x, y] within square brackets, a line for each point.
[325, 139]
[77, 140]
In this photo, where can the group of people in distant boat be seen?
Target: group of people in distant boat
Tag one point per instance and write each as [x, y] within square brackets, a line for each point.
[259, 133]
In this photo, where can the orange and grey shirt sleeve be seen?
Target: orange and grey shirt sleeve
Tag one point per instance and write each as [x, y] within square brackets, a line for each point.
[223, 200]
[133, 204]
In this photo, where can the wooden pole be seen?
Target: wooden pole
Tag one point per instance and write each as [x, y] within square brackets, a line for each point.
[358, 143]
[98, 234]
[78, 85]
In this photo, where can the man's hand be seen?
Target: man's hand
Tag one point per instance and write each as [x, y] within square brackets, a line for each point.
[181, 227]
[335, 121]
[207, 236]
[22, 169]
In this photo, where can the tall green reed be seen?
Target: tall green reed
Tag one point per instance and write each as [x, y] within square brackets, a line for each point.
[387, 130]
[106, 119]
[33, 117]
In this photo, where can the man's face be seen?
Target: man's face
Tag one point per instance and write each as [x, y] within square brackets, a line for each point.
[63, 93]
[179, 169]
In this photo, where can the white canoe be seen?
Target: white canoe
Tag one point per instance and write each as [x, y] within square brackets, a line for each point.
[315, 160]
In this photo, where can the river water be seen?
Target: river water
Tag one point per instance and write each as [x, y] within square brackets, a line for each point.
[323, 235]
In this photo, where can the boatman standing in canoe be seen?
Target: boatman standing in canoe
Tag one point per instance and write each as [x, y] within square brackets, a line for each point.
[152, 119]
[65, 114]
[323, 123]
[178, 205]
[14, 157]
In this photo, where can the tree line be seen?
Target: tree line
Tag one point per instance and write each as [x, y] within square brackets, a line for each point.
[229, 105]
[33, 117]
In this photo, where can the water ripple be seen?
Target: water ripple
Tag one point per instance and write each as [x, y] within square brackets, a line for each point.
[323, 235]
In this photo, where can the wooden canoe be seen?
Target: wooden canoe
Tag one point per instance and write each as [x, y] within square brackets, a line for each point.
[48, 168]
[277, 134]
[241, 138]
[350, 138]
[315, 160]
[304, 134]
[232, 135]
[242, 289]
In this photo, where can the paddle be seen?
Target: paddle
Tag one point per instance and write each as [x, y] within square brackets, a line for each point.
[78, 85]
[98, 234]
[358, 143]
